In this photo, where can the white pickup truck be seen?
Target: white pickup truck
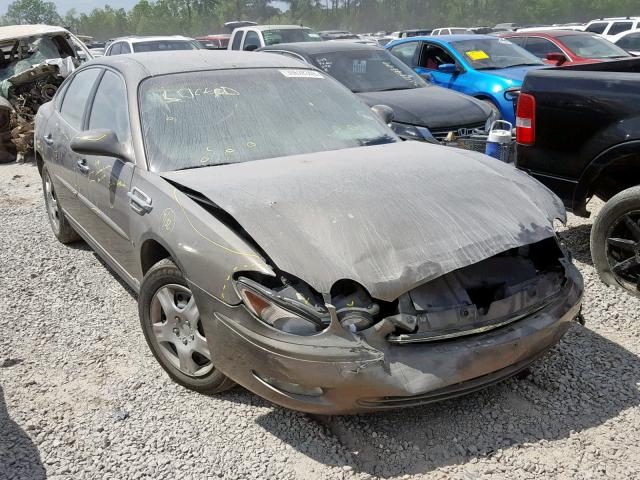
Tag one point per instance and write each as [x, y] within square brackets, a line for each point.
[252, 37]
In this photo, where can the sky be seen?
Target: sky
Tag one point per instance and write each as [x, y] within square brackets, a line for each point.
[85, 6]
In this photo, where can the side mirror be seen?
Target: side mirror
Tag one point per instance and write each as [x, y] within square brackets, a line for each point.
[557, 57]
[101, 142]
[250, 48]
[448, 68]
[384, 112]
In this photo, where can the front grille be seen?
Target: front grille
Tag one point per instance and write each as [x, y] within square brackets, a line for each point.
[441, 132]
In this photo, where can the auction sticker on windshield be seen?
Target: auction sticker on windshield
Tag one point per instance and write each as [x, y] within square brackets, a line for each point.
[477, 55]
[301, 74]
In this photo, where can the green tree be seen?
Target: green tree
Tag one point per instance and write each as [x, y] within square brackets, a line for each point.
[33, 11]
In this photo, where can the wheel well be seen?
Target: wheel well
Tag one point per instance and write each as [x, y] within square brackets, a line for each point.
[39, 163]
[150, 254]
[617, 176]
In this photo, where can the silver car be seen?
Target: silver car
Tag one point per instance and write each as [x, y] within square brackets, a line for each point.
[281, 236]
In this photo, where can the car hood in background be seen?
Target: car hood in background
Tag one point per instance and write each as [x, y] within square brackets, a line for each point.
[431, 107]
[515, 73]
[390, 217]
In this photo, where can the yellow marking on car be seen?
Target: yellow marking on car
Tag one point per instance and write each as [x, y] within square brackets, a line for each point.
[230, 250]
[94, 139]
[476, 55]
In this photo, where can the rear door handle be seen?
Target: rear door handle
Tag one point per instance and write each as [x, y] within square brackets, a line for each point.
[82, 165]
[139, 201]
[48, 139]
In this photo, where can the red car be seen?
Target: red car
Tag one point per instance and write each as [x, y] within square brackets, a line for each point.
[565, 47]
[214, 42]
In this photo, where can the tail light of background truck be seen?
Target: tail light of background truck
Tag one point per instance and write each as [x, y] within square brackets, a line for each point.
[526, 119]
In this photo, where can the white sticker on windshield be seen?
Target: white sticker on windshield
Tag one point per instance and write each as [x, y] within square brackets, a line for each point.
[301, 74]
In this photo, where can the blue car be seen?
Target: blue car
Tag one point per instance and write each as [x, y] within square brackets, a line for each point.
[485, 67]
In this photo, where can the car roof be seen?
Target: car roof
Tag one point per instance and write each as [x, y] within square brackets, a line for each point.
[311, 48]
[545, 33]
[263, 28]
[450, 38]
[145, 38]
[138, 66]
[20, 31]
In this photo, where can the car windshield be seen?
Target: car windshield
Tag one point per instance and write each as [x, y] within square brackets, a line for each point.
[199, 119]
[592, 46]
[368, 70]
[289, 35]
[493, 53]
[162, 45]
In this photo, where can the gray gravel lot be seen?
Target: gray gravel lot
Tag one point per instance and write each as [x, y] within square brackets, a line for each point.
[82, 397]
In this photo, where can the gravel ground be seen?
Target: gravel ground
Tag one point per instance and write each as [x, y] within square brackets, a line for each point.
[82, 397]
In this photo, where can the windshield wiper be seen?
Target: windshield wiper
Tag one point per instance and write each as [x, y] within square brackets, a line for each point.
[391, 89]
[202, 166]
[376, 141]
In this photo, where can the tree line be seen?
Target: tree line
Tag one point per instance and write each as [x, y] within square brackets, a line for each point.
[197, 17]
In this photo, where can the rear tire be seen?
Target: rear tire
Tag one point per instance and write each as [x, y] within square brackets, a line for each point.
[615, 241]
[173, 330]
[63, 231]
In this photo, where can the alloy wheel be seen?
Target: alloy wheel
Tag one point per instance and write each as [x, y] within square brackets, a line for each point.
[52, 203]
[178, 331]
[623, 250]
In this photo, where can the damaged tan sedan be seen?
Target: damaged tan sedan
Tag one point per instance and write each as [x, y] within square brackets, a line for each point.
[281, 236]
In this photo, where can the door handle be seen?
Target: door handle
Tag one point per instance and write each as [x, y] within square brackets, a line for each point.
[48, 139]
[82, 166]
[139, 201]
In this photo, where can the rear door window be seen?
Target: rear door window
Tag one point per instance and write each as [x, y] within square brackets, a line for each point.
[75, 98]
[251, 40]
[597, 27]
[619, 27]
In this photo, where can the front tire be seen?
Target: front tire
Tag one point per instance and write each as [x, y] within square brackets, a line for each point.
[173, 330]
[615, 241]
[63, 231]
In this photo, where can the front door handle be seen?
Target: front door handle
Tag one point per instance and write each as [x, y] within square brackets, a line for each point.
[48, 139]
[82, 165]
[139, 201]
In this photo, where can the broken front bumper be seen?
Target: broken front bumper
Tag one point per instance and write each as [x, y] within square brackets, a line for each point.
[340, 372]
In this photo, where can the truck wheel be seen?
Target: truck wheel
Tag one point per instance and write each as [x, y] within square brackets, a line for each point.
[615, 241]
[172, 327]
[63, 231]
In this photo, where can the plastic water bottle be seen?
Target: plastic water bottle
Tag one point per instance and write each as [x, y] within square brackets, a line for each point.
[499, 134]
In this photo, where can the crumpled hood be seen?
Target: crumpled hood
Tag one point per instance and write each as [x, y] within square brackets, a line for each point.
[431, 107]
[515, 73]
[390, 216]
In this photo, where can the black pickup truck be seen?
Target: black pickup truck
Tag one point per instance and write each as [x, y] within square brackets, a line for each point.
[578, 130]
